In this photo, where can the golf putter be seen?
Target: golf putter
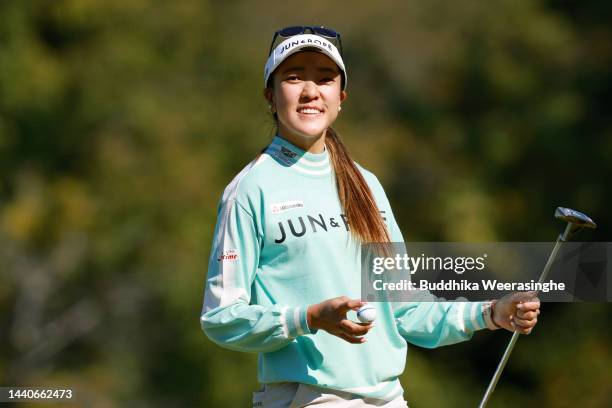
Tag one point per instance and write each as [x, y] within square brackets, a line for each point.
[575, 222]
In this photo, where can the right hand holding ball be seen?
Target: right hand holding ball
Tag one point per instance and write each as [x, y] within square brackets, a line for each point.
[330, 315]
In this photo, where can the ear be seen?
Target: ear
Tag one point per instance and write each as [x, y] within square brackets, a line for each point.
[269, 95]
[343, 96]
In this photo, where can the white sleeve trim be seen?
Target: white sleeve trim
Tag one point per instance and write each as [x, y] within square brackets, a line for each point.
[474, 316]
[460, 317]
[296, 321]
[283, 320]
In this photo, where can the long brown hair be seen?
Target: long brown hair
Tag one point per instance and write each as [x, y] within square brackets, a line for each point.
[355, 196]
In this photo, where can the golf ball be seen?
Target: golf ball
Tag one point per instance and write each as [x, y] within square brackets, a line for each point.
[366, 314]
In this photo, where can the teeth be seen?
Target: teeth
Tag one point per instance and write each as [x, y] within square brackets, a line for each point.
[309, 111]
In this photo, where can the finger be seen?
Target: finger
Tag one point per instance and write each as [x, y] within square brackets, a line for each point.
[531, 305]
[354, 304]
[353, 328]
[348, 339]
[522, 297]
[527, 323]
[345, 304]
[520, 329]
[526, 315]
[351, 339]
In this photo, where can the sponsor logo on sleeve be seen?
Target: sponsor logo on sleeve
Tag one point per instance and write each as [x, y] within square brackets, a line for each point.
[286, 206]
[228, 255]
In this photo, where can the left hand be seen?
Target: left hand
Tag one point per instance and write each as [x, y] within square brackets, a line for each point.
[517, 312]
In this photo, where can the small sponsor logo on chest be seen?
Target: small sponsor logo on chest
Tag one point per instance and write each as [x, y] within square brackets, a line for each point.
[286, 206]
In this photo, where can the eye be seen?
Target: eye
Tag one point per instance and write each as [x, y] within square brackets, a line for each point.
[292, 77]
[327, 79]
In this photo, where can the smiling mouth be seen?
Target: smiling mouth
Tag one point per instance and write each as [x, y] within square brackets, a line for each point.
[310, 111]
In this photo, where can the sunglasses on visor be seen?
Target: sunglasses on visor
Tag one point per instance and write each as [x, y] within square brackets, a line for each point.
[287, 32]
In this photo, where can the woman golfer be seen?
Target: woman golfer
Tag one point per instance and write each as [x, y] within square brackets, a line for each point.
[285, 263]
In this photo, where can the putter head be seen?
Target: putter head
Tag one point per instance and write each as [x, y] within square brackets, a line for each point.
[576, 221]
[575, 217]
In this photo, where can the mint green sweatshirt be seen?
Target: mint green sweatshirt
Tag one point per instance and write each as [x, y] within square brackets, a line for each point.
[281, 243]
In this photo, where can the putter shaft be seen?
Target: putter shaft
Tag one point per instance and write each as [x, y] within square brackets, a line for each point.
[515, 335]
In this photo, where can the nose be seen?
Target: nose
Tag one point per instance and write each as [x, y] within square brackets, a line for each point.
[309, 91]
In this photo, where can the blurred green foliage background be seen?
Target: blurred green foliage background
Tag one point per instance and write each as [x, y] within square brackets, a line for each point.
[121, 121]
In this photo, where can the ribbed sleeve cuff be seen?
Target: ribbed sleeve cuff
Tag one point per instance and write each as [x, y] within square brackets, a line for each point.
[295, 321]
[487, 314]
[473, 318]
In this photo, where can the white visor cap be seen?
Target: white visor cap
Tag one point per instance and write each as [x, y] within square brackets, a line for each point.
[297, 43]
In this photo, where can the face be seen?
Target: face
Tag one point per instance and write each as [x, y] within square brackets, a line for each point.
[306, 96]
